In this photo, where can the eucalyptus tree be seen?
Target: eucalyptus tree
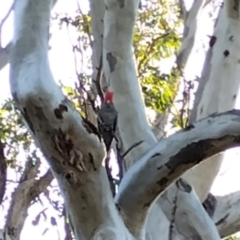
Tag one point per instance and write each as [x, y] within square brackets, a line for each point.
[158, 174]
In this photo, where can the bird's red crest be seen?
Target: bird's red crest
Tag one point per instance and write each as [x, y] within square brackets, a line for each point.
[108, 97]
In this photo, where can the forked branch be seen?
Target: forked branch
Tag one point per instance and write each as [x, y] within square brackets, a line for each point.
[170, 158]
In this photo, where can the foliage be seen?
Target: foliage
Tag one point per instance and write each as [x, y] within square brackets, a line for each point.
[13, 134]
[156, 39]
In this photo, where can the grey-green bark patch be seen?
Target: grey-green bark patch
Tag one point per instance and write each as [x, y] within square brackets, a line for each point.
[121, 3]
[112, 61]
[233, 9]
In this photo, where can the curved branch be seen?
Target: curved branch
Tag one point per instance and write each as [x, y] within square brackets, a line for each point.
[119, 67]
[27, 190]
[170, 158]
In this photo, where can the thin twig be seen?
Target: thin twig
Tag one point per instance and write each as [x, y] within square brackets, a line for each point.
[131, 148]
[99, 79]
[120, 157]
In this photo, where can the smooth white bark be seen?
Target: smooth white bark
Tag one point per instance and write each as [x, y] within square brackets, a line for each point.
[218, 90]
[169, 159]
[189, 34]
[191, 220]
[226, 216]
[97, 9]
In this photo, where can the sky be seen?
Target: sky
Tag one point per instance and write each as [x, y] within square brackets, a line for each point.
[62, 65]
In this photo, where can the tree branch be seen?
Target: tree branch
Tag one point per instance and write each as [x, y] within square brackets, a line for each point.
[190, 218]
[169, 159]
[70, 143]
[4, 55]
[189, 33]
[97, 9]
[183, 10]
[27, 190]
[3, 21]
[5, 52]
[214, 93]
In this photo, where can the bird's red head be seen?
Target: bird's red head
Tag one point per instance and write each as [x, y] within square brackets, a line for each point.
[108, 97]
